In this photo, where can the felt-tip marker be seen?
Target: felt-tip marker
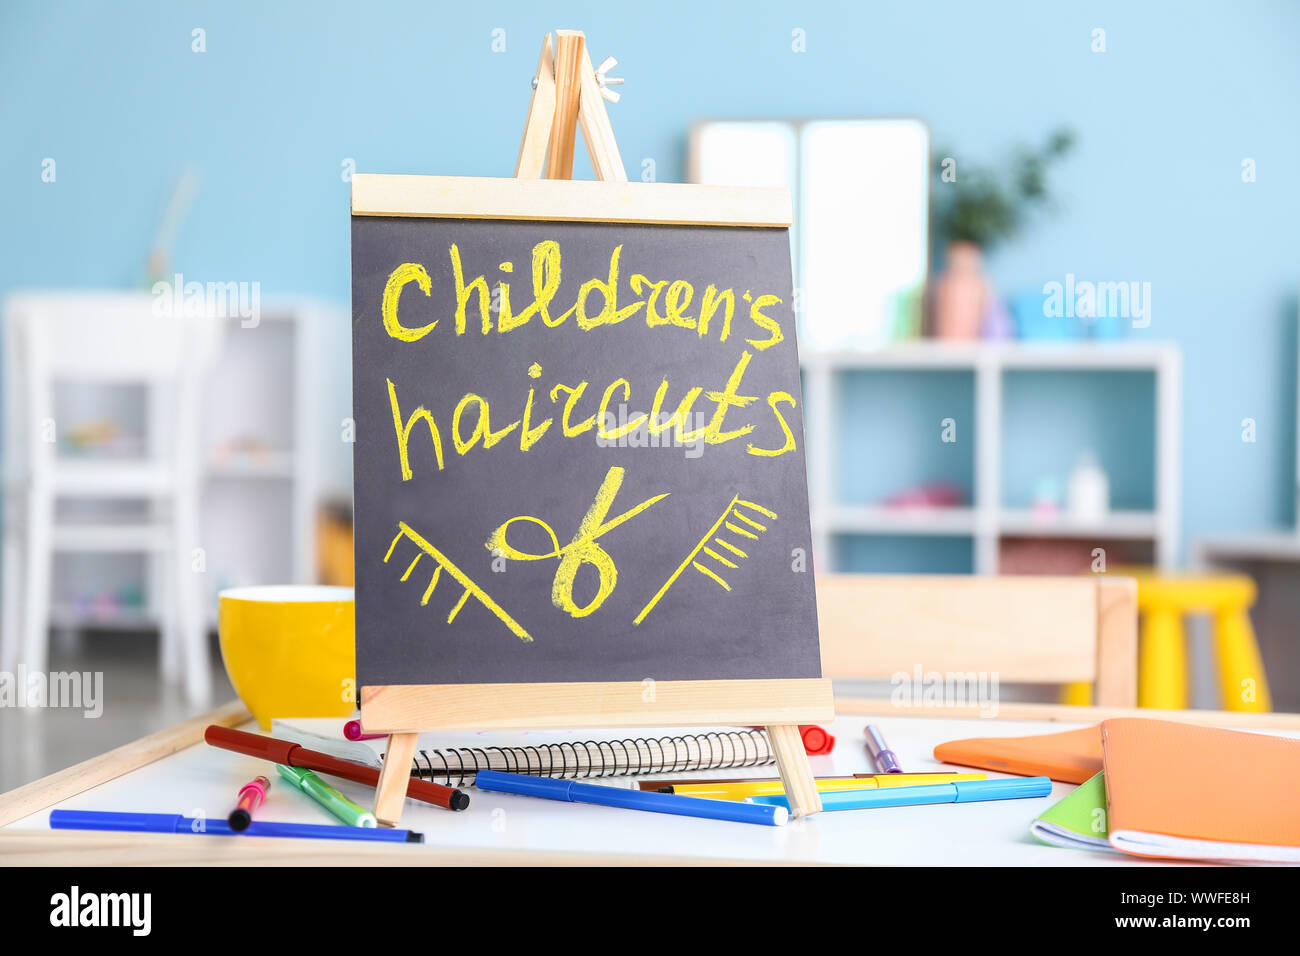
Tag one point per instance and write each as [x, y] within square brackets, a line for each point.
[968, 791]
[352, 730]
[177, 823]
[251, 796]
[886, 760]
[347, 810]
[572, 791]
[295, 755]
[738, 791]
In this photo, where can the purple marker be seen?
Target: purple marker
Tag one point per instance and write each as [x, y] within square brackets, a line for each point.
[886, 760]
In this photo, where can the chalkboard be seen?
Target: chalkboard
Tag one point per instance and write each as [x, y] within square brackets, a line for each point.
[578, 450]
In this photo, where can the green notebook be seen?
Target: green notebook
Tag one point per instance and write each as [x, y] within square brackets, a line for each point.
[1079, 821]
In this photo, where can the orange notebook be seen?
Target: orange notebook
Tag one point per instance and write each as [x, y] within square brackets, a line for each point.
[1072, 756]
[1187, 792]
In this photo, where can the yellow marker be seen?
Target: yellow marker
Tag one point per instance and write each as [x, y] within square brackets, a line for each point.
[739, 791]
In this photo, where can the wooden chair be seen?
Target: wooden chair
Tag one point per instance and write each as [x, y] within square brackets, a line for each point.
[1029, 630]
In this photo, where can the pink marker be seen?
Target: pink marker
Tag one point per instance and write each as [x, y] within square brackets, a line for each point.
[352, 731]
[251, 796]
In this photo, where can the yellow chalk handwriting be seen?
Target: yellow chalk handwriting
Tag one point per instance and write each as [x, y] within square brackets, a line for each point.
[444, 563]
[397, 280]
[773, 400]
[571, 430]
[713, 300]
[471, 422]
[531, 434]
[678, 299]
[663, 302]
[738, 508]
[639, 284]
[546, 282]
[727, 398]
[765, 322]
[603, 415]
[610, 313]
[404, 431]
[463, 292]
[482, 427]
[678, 419]
[582, 549]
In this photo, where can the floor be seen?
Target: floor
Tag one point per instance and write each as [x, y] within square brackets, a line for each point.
[38, 741]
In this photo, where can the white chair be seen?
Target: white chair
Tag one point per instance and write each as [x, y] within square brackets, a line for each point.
[108, 338]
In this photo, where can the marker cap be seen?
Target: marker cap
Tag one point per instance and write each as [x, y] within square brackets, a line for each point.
[1009, 789]
[816, 741]
[886, 760]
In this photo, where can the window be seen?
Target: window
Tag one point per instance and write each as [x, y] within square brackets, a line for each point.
[861, 191]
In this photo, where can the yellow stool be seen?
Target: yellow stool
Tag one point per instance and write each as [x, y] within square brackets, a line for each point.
[1163, 602]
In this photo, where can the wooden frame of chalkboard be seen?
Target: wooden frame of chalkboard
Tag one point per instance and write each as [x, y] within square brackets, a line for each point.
[399, 708]
[538, 694]
[569, 200]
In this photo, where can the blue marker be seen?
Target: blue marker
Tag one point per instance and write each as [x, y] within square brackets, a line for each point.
[574, 792]
[964, 791]
[175, 823]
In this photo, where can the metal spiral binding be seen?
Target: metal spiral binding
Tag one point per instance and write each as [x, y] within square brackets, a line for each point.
[456, 766]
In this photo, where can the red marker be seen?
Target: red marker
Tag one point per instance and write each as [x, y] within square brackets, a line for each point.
[251, 796]
[816, 741]
[282, 751]
[352, 731]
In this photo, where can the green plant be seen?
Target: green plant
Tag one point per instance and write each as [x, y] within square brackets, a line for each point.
[984, 207]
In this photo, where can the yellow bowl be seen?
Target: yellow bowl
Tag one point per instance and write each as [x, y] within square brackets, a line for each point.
[290, 650]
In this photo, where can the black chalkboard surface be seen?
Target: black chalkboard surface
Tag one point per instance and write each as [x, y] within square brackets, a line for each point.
[579, 453]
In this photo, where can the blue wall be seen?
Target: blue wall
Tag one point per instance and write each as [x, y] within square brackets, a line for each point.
[287, 91]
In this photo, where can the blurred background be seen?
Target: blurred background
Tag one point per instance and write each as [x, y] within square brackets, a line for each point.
[1071, 229]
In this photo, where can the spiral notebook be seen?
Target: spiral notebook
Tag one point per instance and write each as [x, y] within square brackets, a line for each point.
[629, 757]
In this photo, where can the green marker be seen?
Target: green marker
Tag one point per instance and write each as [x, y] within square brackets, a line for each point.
[349, 811]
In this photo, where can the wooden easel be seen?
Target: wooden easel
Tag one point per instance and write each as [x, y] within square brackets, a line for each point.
[566, 92]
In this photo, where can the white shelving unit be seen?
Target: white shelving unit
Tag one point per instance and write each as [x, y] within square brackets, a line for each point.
[1279, 546]
[259, 506]
[266, 422]
[987, 521]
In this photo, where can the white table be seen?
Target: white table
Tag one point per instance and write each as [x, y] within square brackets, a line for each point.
[203, 781]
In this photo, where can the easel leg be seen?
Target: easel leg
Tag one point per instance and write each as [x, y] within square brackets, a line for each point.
[567, 89]
[394, 777]
[796, 775]
[569, 48]
[541, 114]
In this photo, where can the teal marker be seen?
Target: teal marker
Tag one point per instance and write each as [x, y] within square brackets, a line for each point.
[349, 811]
[963, 791]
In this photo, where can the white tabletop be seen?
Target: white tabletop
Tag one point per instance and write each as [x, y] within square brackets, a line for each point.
[203, 781]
